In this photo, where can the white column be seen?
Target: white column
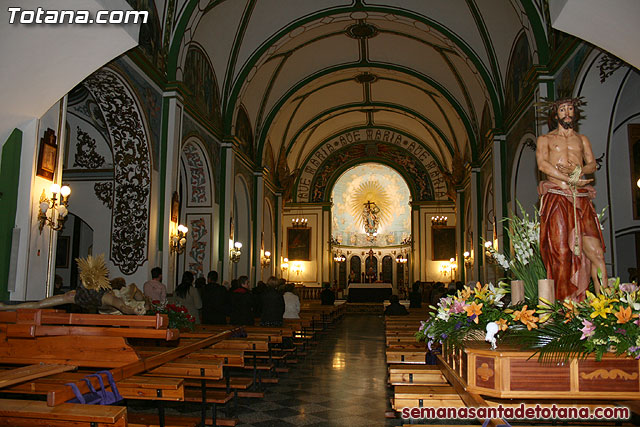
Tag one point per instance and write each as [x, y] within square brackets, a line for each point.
[478, 248]
[460, 235]
[172, 167]
[498, 190]
[259, 226]
[226, 211]
[279, 226]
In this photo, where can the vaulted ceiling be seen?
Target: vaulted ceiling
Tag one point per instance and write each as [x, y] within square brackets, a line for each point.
[305, 70]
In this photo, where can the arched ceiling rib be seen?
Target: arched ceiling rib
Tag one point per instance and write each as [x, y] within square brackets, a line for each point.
[294, 64]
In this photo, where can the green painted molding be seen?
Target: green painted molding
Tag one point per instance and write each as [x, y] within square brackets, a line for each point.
[539, 31]
[9, 181]
[426, 122]
[457, 40]
[222, 217]
[261, 140]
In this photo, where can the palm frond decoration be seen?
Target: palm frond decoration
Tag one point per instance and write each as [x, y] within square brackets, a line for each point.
[555, 343]
[93, 272]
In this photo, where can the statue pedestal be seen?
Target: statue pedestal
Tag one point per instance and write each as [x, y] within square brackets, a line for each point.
[510, 373]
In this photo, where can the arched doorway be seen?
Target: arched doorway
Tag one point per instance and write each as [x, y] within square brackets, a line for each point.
[355, 269]
[75, 240]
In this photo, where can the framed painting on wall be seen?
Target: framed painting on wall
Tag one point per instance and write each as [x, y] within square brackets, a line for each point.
[48, 155]
[443, 241]
[299, 244]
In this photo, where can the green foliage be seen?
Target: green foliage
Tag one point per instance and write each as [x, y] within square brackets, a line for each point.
[179, 317]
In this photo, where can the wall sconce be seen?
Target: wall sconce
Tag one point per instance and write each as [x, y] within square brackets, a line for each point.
[439, 220]
[58, 209]
[401, 259]
[178, 241]
[468, 259]
[338, 257]
[445, 268]
[453, 265]
[235, 252]
[285, 265]
[265, 259]
[299, 222]
[297, 268]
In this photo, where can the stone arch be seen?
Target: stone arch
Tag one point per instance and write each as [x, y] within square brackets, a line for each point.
[488, 210]
[129, 136]
[524, 178]
[520, 62]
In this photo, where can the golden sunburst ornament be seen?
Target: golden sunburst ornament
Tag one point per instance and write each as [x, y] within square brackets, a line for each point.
[370, 192]
[93, 272]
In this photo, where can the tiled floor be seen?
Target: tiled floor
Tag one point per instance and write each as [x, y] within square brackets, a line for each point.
[342, 382]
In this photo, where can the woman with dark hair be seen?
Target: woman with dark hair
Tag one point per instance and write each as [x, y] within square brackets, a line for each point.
[188, 295]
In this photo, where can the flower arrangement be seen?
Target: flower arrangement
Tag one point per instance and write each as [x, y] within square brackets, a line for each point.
[466, 315]
[179, 317]
[526, 264]
[605, 323]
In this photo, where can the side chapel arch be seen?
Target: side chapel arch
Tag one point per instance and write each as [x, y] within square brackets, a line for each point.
[129, 135]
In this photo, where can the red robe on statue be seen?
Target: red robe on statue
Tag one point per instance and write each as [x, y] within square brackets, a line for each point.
[558, 229]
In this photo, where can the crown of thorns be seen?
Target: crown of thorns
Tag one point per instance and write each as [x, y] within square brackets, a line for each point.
[547, 108]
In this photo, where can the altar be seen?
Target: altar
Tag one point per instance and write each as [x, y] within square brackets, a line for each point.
[369, 292]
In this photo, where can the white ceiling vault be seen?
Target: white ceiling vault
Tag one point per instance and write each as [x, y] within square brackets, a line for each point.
[305, 70]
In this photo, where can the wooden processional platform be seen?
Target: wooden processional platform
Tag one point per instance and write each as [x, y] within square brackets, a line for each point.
[509, 373]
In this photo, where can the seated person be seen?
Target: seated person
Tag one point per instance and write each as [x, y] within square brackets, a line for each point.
[327, 296]
[415, 297]
[291, 303]
[93, 293]
[395, 308]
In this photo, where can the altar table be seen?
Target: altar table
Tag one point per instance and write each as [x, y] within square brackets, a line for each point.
[369, 292]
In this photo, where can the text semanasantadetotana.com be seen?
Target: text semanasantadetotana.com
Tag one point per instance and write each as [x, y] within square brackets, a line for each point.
[519, 412]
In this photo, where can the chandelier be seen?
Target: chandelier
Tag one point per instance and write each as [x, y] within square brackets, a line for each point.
[439, 220]
[339, 257]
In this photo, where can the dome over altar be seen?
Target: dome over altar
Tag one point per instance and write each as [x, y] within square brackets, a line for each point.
[359, 188]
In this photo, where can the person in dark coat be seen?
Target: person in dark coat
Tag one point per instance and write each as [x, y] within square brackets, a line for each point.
[215, 301]
[395, 308]
[242, 303]
[257, 298]
[327, 297]
[415, 297]
[272, 303]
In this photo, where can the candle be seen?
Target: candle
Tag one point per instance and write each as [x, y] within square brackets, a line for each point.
[517, 292]
[546, 290]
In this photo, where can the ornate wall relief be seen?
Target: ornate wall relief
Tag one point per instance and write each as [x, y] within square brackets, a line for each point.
[104, 193]
[195, 164]
[132, 175]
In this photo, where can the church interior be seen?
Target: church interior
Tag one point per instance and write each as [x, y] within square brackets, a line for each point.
[363, 144]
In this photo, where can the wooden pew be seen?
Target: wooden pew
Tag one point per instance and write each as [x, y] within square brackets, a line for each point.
[27, 413]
